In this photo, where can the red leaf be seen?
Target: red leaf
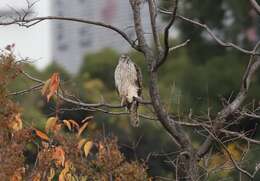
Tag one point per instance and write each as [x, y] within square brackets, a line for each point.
[51, 86]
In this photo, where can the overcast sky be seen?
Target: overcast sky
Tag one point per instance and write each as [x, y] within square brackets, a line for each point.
[33, 42]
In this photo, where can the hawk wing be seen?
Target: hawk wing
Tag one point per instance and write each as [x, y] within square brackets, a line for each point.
[116, 78]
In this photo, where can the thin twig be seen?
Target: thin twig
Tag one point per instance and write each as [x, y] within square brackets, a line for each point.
[219, 41]
[28, 22]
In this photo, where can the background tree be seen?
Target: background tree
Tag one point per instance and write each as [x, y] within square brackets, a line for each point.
[202, 98]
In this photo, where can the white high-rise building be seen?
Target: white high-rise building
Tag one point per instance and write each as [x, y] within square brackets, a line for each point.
[72, 40]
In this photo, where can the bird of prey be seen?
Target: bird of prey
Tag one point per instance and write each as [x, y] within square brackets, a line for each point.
[128, 82]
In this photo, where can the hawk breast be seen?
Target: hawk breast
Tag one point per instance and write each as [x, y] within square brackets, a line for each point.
[127, 79]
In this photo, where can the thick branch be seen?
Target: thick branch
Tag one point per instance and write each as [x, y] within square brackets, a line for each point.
[135, 4]
[236, 103]
[255, 6]
[174, 129]
[153, 15]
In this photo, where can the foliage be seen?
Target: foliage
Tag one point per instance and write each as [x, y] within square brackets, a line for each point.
[63, 152]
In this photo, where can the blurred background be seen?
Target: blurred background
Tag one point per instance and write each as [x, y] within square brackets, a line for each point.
[197, 78]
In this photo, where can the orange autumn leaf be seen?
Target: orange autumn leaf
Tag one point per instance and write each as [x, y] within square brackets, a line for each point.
[41, 135]
[17, 176]
[67, 124]
[54, 85]
[51, 86]
[59, 155]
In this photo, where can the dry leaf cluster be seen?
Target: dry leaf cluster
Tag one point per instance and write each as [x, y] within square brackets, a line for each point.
[60, 152]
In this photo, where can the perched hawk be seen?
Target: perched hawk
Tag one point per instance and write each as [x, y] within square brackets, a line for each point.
[128, 80]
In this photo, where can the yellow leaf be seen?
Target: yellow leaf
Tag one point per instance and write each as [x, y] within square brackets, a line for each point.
[81, 142]
[82, 128]
[50, 124]
[65, 171]
[45, 88]
[67, 123]
[74, 124]
[234, 151]
[51, 174]
[41, 135]
[87, 147]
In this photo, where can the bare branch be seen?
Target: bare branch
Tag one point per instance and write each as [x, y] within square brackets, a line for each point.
[78, 102]
[113, 113]
[35, 87]
[219, 41]
[247, 78]
[28, 22]
[179, 46]
[236, 103]
[166, 36]
[241, 136]
[230, 156]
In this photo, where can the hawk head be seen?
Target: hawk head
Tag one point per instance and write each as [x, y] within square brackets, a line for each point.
[124, 58]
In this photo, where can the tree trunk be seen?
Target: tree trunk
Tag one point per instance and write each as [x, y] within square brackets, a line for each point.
[187, 168]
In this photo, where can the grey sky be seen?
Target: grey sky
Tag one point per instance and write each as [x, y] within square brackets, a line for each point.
[33, 42]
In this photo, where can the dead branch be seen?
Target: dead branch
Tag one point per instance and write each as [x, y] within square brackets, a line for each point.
[236, 103]
[28, 22]
[210, 32]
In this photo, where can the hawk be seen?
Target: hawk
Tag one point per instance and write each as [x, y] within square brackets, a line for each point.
[128, 82]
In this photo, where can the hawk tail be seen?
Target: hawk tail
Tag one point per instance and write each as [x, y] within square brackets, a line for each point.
[134, 118]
